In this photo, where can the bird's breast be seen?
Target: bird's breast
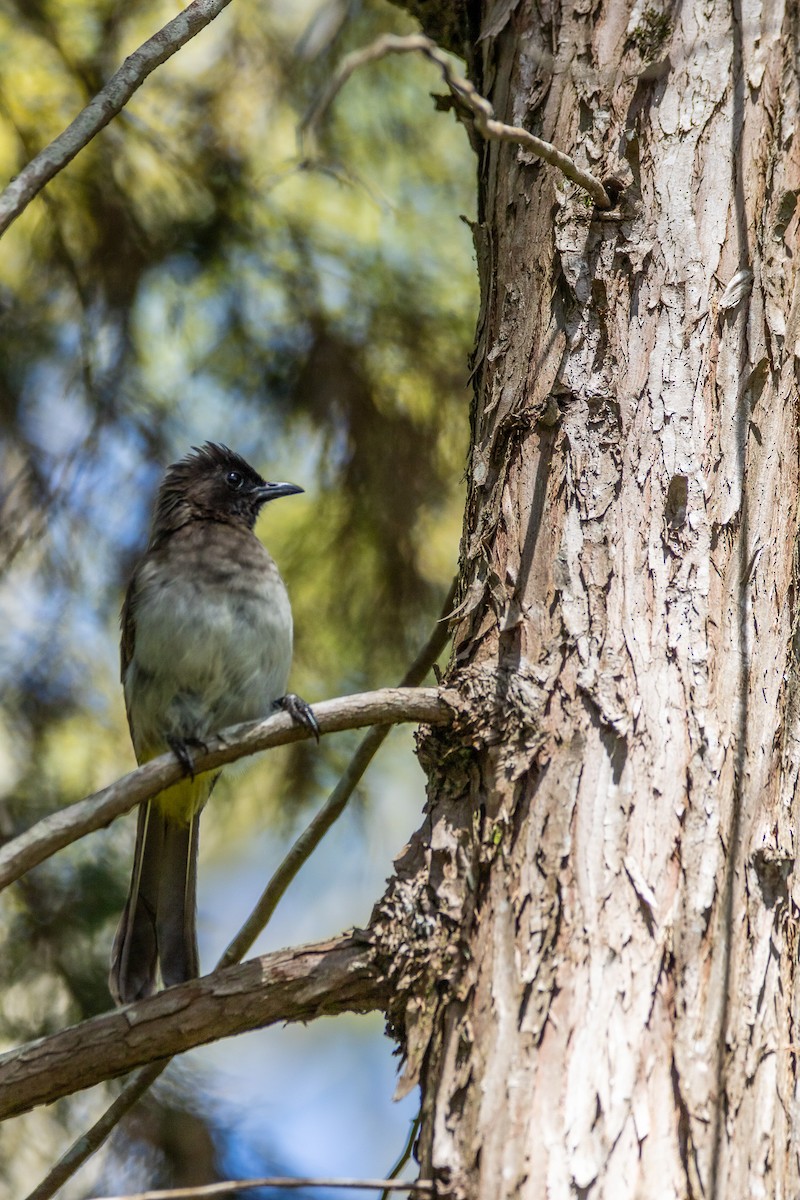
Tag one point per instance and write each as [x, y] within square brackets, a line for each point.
[212, 645]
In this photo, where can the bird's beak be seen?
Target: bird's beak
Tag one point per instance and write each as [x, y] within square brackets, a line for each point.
[273, 491]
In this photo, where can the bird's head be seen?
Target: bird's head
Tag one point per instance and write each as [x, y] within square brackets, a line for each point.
[213, 484]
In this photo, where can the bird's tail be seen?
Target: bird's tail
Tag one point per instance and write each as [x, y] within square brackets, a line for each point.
[158, 922]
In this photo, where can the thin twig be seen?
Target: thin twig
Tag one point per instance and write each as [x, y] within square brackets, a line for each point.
[135, 1087]
[59, 829]
[210, 1190]
[102, 109]
[91, 1141]
[405, 1154]
[334, 806]
[481, 109]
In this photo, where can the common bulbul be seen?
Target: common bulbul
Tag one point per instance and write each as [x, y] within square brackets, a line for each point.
[206, 643]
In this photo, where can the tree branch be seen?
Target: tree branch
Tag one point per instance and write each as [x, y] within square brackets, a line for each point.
[105, 106]
[290, 985]
[232, 1187]
[480, 108]
[386, 706]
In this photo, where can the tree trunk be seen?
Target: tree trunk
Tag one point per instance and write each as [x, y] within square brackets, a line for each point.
[594, 937]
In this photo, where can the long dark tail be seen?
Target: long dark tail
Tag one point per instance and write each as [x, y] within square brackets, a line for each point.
[158, 921]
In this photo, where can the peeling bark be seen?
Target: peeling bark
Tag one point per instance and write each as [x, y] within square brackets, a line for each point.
[593, 939]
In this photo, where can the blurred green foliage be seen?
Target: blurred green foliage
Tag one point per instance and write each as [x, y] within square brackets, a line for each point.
[195, 274]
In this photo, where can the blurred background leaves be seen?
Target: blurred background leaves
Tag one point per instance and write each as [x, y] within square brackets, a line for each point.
[190, 276]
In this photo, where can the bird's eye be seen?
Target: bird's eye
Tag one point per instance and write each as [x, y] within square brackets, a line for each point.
[234, 480]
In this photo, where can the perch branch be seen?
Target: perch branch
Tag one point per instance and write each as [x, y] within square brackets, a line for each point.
[59, 829]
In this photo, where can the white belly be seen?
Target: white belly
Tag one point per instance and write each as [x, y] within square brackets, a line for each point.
[205, 657]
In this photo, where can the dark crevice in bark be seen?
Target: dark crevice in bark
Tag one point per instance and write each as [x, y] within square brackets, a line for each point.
[734, 866]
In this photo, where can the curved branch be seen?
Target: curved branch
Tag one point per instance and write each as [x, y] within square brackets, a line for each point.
[388, 706]
[105, 106]
[464, 92]
[290, 985]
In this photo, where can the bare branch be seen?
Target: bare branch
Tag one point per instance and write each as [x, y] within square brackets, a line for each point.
[386, 706]
[291, 985]
[463, 90]
[210, 1191]
[405, 1153]
[105, 106]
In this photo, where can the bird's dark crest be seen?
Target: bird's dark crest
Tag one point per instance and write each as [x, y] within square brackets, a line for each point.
[184, 479]
[208, 457]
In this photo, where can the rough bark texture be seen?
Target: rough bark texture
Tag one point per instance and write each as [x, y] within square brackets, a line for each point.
[593, 940]
[289, 985]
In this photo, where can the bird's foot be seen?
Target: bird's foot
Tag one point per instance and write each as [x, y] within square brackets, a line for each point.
[300, 712]
[182, 749]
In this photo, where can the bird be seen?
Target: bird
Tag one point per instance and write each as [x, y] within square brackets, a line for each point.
[206, 643]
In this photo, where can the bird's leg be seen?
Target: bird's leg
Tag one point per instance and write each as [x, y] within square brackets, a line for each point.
[182, 748]
[300, 712]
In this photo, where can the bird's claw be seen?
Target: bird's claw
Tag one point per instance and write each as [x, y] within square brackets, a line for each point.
[182, 749]
[300, 712]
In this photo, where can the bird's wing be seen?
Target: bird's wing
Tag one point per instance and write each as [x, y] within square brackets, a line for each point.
[128, 623]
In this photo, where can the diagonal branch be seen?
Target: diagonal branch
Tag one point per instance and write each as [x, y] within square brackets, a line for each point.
[91, 1141]
[388, 706]
[290, 985]
[466, 94]
[305, 845]
[105, 106]
[232, 1187]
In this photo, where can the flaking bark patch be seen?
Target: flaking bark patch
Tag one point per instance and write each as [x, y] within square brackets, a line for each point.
[423, 925]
